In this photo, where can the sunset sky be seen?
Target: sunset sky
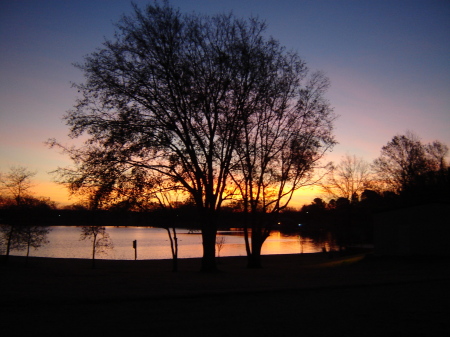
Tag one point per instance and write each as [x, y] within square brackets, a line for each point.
[388, 62]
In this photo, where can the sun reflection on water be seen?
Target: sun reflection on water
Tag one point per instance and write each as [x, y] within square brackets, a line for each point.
[153, 243]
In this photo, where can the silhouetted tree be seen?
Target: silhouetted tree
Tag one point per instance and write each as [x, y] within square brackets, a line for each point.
[34, 236]
[16, 183]
[280, 147]
[315, 212]
[25, 226]
[135, 190]
[430, 186]
[220, 242]
[317, 221]
[405, 159]
[99, 237]
[371, 197]
[168, 199]
[23, 219]
[2, 244]
[349, 178]
[436, 152]
[172, 93]
[11, 238]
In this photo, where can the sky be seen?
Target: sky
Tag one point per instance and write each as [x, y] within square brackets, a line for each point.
[388, 63]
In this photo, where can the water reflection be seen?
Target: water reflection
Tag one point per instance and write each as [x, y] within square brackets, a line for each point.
[153, 243]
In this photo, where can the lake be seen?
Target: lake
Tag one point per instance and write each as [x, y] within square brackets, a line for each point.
[153, 244]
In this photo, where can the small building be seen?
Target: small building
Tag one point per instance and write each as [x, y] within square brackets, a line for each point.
[413, 231]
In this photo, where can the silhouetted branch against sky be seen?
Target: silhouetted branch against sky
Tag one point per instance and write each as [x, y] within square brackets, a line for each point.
[387, 61]
[196, 98]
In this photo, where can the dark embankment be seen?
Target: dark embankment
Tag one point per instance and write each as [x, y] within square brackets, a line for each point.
[293, 295]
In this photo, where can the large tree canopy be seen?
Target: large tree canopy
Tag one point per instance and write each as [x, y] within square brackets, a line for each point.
[405, 160]
[279, 148]
[179, 97]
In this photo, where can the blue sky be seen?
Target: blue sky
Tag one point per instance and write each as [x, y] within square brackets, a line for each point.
[388, 62]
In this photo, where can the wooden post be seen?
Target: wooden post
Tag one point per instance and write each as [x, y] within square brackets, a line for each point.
[135, 249]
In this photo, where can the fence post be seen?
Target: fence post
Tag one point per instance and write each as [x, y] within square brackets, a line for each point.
[135, 249]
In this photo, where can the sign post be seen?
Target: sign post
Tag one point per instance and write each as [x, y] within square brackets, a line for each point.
[135, 249]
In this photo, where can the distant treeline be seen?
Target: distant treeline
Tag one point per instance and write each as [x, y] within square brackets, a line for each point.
[347, 221]
[337, 215]
[183, 217]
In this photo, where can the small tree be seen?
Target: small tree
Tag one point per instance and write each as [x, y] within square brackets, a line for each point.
[15, 187]
[173, 247]
[12, 238]
[125, 189]
[34, 236]
[22, 228]
[16, 183]
[351, 177]
[2, 243]
[99, 238]
[220, 242]
[436, 152]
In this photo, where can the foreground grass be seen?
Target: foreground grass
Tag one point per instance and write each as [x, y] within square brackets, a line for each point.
[293, 295]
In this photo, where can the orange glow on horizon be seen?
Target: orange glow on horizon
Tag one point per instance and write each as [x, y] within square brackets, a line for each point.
[60, 194]
[55, 192]
[305, 196]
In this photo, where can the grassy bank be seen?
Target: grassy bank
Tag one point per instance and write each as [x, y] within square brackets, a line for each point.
[293, 295]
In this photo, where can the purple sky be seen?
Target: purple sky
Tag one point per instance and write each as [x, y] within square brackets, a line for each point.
[388, 62]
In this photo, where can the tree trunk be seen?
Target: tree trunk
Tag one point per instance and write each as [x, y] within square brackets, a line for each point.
[209, 232]
[254, 259]
[174, 248]
[93, 251]
[8, 244]
[246, 240]
[28, 252]
[175, 264]
[259, 236]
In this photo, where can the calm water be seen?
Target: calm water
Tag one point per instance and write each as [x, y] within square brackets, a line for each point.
[153, 244]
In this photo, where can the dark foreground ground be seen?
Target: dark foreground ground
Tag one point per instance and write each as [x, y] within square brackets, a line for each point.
[293, 295]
